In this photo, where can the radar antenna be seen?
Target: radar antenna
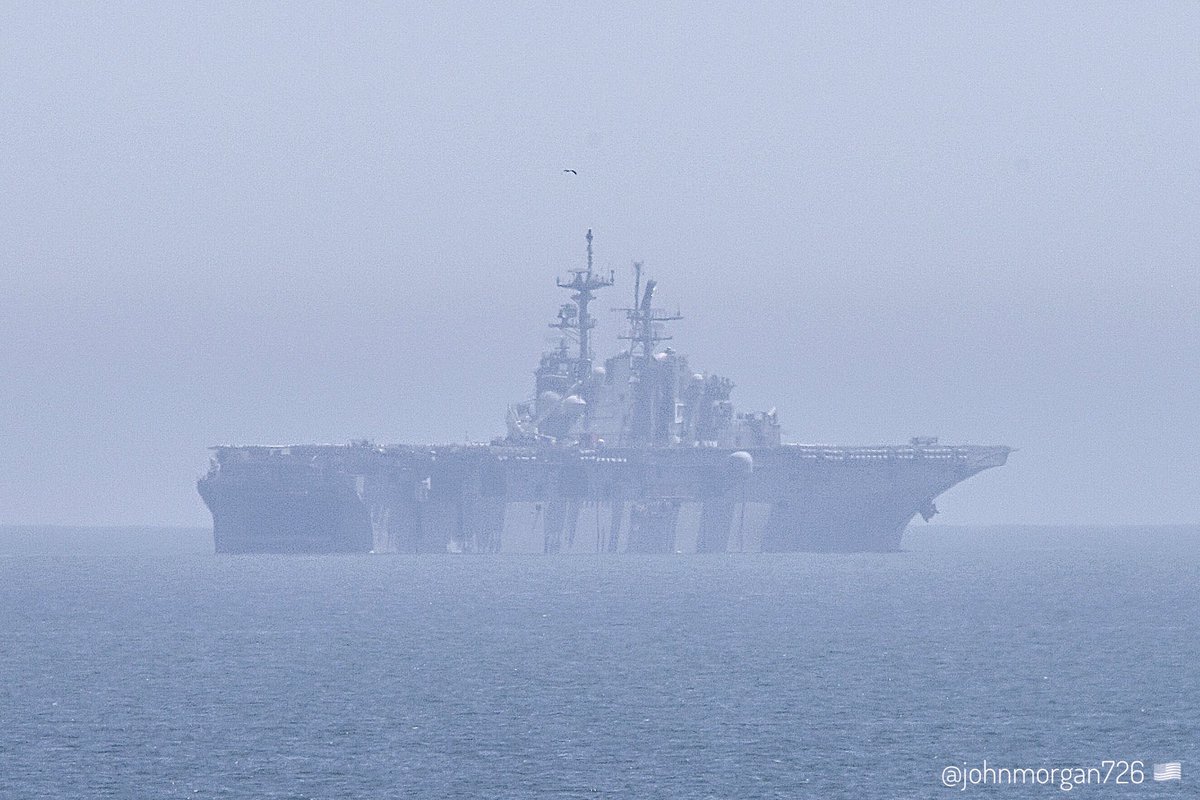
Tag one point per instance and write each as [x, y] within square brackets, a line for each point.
[645, 322]
[583, 283]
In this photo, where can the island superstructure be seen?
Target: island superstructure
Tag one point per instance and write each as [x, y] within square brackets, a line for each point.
[639, 453]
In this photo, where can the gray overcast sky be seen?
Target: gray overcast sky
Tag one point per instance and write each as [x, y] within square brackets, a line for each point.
[251, 223]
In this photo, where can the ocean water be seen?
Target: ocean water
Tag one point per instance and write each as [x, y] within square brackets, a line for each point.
[135, 663]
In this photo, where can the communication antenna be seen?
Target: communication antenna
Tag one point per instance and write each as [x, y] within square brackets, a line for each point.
[583, 283]
[646, 323]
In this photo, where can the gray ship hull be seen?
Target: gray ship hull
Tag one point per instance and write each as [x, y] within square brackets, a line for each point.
[488, 499]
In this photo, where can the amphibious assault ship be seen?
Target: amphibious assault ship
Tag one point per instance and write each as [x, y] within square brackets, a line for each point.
[639, 453]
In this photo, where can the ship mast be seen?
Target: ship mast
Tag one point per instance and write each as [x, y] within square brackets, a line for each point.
[583, 283]
[645, 321]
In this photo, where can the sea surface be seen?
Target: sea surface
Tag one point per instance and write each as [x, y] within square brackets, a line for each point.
[134, 663]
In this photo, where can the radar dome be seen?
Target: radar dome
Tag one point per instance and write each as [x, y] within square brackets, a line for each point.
[741, 464]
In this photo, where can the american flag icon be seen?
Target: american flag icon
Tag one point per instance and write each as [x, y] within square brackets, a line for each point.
[1167, 772]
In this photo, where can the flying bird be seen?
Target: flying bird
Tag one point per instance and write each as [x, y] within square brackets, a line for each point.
[573, 172]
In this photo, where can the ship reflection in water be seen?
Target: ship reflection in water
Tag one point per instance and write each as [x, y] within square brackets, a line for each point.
[638, 454]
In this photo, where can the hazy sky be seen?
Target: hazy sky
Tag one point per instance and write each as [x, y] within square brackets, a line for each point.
[248, 223]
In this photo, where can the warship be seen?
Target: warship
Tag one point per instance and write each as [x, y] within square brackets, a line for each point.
[639, 453]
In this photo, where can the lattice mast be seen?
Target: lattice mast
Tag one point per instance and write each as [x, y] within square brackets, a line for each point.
[646, 323]
[583, 283]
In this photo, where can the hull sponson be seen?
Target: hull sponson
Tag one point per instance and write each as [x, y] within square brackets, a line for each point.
[360, 498]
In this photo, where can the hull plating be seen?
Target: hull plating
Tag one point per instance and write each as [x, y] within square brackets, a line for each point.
[324, 499]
